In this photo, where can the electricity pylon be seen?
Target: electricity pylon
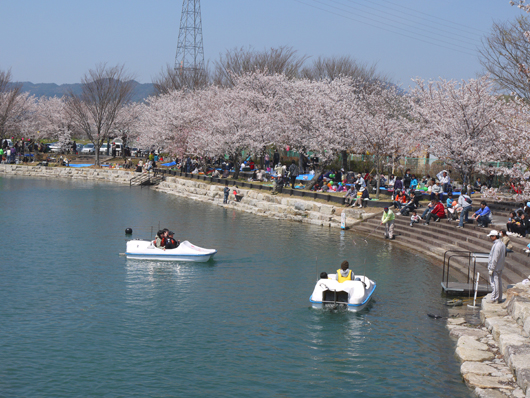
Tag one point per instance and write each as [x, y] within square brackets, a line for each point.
[190, 50]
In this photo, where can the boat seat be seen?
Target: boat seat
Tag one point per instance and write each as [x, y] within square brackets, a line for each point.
[338, 297]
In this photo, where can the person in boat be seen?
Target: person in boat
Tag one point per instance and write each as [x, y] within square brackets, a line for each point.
[170, 242]
[323, 275]
[161, 237]
[344, 273]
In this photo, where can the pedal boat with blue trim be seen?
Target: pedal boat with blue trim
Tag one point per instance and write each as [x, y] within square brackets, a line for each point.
[353, 295]
[146, 250]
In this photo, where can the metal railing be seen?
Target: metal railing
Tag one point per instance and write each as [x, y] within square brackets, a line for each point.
[472, 258]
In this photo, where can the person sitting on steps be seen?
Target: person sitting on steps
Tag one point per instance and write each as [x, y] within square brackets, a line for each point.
[362, 196]
[414, 218]
[483, 215]
[437, 212]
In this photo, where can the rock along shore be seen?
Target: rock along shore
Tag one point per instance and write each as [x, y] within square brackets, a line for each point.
[495, 356]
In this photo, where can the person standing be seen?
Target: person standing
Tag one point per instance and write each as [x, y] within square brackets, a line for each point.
[388, 219]
[226, 192]
[464, 205]
[275, 158]
[407, 178]
[294, 171]
[495, 266]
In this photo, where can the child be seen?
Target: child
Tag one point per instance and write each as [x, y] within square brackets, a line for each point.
[414, 218]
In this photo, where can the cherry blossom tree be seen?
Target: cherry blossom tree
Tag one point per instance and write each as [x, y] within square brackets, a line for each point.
[457, 121]
[379, 116]
[166, 121]
[16, 108]
[52, 121]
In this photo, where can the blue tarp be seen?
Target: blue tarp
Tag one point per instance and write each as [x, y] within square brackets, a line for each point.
[305, 177]
[80, 165]
[169, 164]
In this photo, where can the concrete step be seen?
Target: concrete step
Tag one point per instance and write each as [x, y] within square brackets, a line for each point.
[438, 237]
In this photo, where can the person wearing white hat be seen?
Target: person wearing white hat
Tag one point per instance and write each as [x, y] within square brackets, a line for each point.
[496, 265]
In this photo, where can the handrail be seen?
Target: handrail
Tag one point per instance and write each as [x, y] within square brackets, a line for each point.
[449, 254]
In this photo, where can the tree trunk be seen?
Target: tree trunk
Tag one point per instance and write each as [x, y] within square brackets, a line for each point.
[377, 176]
[318, 172]
[237, 166]
[344, 156]
[96, 148]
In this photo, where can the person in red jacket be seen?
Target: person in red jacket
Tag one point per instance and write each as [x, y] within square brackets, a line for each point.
[437, 212]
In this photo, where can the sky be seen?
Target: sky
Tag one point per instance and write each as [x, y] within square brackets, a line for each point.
[58, 41]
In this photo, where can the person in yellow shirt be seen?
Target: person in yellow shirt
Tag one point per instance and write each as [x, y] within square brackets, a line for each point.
[388, 219]
[344, 273]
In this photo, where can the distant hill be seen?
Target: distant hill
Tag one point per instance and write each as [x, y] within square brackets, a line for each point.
[141, 91]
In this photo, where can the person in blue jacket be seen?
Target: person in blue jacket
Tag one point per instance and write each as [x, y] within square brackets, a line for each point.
[482, 215]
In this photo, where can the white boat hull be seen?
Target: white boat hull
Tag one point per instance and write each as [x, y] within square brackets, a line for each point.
[354, 295]
[145, 250]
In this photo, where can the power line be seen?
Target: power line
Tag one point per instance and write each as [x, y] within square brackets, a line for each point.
[436, 43]
[473, 30]
[382, 14]
[396, 27]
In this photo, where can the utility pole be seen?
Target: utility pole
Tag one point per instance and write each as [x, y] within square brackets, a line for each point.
[190, 50]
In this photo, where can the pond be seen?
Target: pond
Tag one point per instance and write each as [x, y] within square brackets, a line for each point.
[80, 320]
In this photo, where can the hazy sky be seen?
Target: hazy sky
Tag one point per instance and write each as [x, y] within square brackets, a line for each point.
[57, 41]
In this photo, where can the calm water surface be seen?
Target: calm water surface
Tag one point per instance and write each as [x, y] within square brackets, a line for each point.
[76, 319]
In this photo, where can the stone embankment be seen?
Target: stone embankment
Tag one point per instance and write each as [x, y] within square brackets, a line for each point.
[496, 355]
[262, 203]
[265, 204]
[109, 175]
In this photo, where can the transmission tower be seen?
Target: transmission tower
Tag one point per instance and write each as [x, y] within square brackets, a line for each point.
[190, 50]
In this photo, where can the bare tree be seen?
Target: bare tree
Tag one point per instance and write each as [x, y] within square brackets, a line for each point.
[283, 60]
[14, 106]
[505, 54]
[171, 79]
[99, 110]
[334, 67]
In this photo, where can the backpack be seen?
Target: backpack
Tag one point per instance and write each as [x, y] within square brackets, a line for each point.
[468, 200]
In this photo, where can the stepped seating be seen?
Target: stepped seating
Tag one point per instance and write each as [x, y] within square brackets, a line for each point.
[438, 237]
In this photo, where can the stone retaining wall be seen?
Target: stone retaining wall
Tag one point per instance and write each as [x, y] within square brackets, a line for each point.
[255, 202]
[110, 175]
[266, 204]
[496, 355]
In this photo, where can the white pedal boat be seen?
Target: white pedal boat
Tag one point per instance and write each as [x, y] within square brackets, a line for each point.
[145, 250]
[355, 295]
